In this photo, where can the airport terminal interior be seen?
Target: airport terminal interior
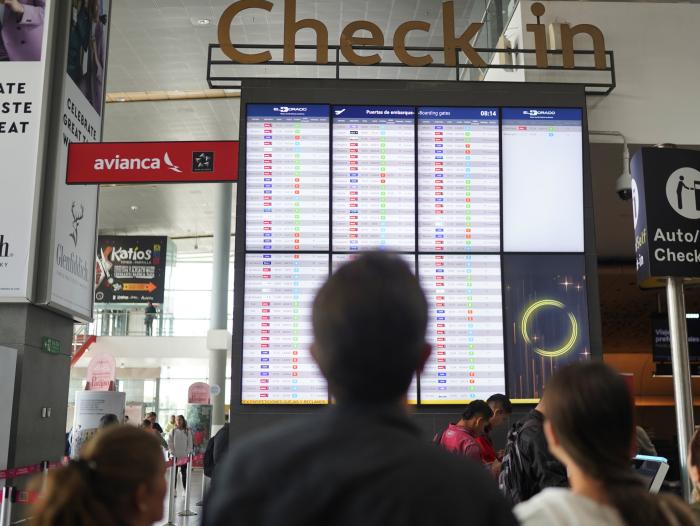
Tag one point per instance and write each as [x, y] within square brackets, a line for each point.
[179, 178]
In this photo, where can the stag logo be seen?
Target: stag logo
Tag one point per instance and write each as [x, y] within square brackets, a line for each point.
[78, 212]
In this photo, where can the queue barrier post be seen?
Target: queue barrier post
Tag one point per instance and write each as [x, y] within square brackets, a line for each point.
[205, 488]
[8, 495]
[187, 512]
[44, 474]
[171, 496]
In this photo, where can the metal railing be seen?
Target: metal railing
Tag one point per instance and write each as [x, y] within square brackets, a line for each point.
[131, 322]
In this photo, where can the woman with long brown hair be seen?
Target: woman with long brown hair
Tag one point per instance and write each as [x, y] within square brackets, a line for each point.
[590, 429]
[119, 480]
[694, 470]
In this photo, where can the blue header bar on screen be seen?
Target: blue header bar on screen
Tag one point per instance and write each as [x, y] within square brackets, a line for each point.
[374, 112]
[288, 110]
[542, 114]
[440, 113]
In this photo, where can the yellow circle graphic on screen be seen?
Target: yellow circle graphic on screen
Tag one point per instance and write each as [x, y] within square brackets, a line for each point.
[548, 353]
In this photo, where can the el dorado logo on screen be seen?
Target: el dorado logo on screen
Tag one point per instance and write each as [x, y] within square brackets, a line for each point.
[152, 162]
[130, 269]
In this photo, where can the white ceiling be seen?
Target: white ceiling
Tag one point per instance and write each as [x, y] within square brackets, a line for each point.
[154, 44]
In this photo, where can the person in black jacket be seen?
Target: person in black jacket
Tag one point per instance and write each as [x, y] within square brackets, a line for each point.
[216, 450]
[528, 466]
[360, 461]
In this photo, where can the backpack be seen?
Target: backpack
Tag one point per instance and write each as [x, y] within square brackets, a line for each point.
[512, 480]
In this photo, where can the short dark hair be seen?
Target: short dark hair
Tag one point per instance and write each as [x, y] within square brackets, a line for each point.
[477, 408]
[501, 401]
[152, 413]
[369, 323]
[107, 420]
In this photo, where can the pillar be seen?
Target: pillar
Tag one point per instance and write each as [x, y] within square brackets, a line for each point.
[218, 339]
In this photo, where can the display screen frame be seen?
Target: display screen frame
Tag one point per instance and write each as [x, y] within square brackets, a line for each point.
[414, 94]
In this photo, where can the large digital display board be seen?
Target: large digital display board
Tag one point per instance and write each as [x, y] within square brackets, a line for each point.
[484, 203]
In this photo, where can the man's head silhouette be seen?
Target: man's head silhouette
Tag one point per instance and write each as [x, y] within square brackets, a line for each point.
[682, 178]
[369, 322]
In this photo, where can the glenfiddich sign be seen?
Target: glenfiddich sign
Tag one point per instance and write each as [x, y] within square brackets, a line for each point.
[349, 42]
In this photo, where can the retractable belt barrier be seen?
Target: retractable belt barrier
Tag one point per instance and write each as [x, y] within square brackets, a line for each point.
[190, 461]
[10, 495]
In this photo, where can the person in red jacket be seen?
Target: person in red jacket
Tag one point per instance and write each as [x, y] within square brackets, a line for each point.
[461, 438]
[502, 409]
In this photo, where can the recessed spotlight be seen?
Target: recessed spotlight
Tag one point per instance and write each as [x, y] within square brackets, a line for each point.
[200, 22]
[134, 208]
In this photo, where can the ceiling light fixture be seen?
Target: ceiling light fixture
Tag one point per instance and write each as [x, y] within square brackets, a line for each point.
[134, 208]
[200, 22]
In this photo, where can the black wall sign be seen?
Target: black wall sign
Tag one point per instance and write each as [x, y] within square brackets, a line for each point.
[666, 208]
[130, 269]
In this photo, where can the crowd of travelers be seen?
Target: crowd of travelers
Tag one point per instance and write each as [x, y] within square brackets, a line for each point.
[363, 461]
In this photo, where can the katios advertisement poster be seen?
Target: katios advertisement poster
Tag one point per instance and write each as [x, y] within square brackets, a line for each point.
[130, 269]
[74, 226]
[24, 28]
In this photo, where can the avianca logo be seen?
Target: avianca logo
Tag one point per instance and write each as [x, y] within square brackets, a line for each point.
[147, 163]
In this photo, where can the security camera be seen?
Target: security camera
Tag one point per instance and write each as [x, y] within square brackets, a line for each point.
[623, 186]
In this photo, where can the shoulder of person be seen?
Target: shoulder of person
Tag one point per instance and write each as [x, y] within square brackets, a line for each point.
[538, 510]
[268, 441]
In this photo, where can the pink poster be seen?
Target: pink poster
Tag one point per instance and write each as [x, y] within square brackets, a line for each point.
[198, 393]
[101, 372]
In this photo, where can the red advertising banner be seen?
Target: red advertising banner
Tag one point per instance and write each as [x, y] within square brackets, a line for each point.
[152, 162]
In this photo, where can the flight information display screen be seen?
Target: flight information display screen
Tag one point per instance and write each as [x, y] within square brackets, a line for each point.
[373, 178]
[542, 187]
[287, 177]
[465, 325]
[485, 204]
[458, 180]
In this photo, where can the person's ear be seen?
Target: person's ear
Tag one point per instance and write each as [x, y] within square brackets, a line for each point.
[425, 354]
[141, 498]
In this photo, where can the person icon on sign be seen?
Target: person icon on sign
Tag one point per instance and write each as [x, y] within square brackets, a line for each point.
[679, 191]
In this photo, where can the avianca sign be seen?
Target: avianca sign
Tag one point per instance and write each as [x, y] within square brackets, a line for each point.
[152, 162]
[135, 163]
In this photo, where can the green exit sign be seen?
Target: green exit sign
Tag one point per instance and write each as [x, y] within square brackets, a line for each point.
[50, 345]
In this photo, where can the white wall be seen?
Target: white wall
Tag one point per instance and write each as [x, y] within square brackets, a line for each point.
[657, 64]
